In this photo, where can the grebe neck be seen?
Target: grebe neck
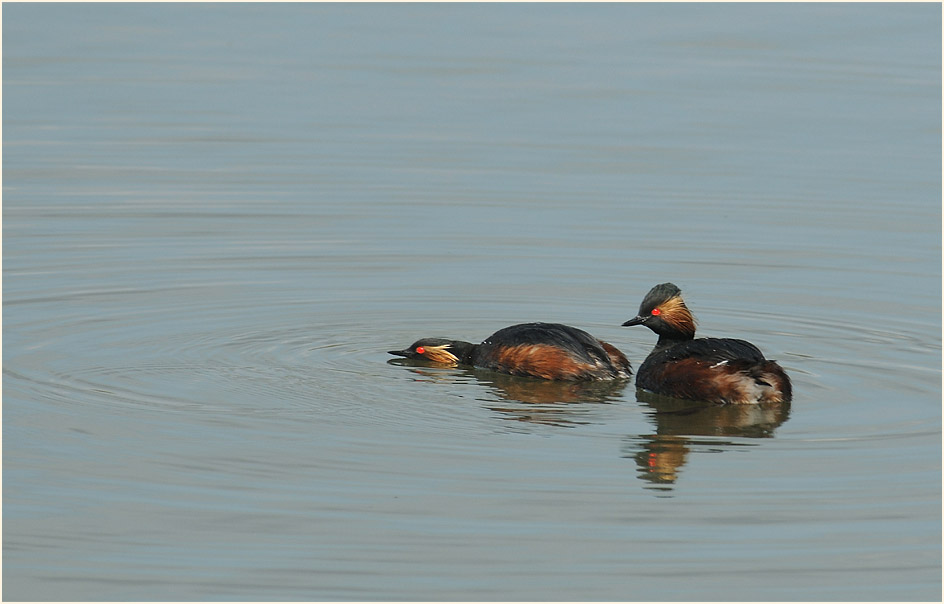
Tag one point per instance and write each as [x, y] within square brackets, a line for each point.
[669, 340]
[463, 350]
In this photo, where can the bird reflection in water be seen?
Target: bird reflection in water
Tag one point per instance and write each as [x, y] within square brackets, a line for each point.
[549, 402]
[680, 424]
[530, 400]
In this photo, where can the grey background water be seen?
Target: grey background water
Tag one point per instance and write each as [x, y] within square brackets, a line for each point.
[217, 219]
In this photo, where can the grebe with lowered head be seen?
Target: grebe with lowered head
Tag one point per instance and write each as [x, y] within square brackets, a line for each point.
[718, 370]
[549, 351]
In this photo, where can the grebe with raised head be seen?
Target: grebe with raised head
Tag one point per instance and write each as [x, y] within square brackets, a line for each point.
[718, 370]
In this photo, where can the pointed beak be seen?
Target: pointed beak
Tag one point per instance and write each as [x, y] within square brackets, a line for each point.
[401, 353]
[637, 320]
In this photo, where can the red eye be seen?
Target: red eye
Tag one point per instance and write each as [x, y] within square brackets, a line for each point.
[656, 312]
[420, 350]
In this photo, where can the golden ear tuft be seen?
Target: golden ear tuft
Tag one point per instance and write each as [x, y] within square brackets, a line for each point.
[676, 314]
[440, 354]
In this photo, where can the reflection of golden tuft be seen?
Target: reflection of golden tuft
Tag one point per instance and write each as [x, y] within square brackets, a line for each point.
[661, 459]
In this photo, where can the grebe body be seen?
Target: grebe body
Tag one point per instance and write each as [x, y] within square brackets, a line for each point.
[718, 370]
[549, 351]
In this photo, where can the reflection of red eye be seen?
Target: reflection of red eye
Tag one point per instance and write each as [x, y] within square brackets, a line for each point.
[420, 350]
[656, 312]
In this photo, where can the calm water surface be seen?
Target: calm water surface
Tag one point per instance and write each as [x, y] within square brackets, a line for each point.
[217, 219]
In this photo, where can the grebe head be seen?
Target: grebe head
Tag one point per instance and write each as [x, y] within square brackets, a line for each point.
[437, 350]
[664, 312]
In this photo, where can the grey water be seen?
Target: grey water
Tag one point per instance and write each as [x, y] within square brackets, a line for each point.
[218, 218]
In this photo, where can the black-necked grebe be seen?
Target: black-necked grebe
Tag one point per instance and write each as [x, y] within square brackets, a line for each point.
[719, 370]
[544, 350]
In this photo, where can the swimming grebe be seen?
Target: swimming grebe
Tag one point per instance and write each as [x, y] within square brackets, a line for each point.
[718, 370]
[544, 350]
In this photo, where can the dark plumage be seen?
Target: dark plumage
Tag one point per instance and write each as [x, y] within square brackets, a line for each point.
[549, 351]
[719, 370]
